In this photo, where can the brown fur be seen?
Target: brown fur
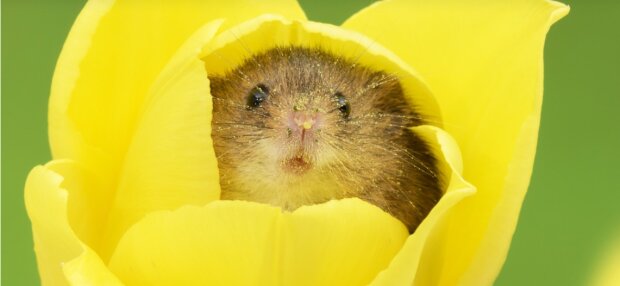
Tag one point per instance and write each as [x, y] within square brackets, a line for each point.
[370, 155]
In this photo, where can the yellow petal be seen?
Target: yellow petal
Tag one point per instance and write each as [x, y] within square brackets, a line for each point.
[87, 205]
[343, 242]
[483, 61]
[89, 270]
[223, 243]
[170, 161]
[242, 243]
[410, 266]
[232, 47]
[110, 59]
[61, 200]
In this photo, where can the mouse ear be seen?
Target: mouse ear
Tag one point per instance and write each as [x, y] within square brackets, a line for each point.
[232, 47]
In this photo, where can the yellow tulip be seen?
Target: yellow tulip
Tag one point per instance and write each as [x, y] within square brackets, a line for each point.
[132, 195]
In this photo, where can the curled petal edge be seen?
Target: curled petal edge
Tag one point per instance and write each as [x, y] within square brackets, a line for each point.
[62, 258]
[407, 267]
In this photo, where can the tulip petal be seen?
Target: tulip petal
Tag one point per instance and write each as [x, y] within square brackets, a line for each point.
[61, 200]
[112, 56]
[230, 48]
[89, 270]
[483, 61]
[244, 243]
[426, 243]
[343, 242]
[170, 161]
[223, 243]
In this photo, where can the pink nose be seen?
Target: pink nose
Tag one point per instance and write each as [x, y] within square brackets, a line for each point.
[302, 124]
[303, 120]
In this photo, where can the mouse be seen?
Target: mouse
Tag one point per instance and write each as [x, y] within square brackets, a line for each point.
[295, 126]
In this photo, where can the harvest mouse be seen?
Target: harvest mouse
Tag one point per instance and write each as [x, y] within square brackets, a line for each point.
[295, 126]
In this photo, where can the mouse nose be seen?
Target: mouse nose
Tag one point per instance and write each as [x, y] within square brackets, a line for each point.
[303, 125]
[303, 121]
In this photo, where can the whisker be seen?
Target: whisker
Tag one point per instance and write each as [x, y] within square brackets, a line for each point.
[262, 126]
[393, 150]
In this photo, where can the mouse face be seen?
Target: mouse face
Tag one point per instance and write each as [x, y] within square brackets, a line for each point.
[295, 126]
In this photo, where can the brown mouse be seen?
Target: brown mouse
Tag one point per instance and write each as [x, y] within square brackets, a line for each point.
[296, 126]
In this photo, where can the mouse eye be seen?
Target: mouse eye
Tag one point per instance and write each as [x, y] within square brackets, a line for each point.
[343, 105]
[257, 95]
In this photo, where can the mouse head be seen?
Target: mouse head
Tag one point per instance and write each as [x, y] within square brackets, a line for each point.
[299, 120]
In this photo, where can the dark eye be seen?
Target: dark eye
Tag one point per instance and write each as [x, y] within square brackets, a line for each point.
[343, 105]
[257, 95]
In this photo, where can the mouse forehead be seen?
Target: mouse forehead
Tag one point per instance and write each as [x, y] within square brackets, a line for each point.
[305, 71]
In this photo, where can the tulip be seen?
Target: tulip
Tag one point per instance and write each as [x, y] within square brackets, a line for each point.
[131, 196]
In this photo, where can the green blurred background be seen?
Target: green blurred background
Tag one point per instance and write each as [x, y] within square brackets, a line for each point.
[569, 214]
